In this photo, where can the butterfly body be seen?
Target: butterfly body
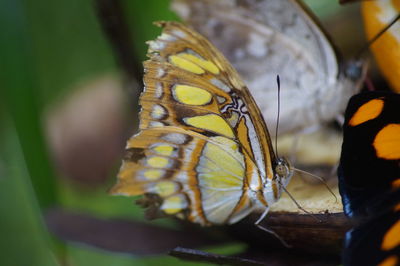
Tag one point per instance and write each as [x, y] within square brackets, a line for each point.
[203, 152]
[266, 38]
[369, 179]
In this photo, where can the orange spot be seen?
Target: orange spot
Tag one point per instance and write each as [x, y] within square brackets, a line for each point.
[389, 261]
[397, 207]
[396, 183]
[367, 111]
[386, 49]
[387, 142]
[391, 238]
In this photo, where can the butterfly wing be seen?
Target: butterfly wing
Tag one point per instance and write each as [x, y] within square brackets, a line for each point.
[265, 38]
[369, 178]
[203, 142]
[376, 241]
[377, 15]
[369, 163]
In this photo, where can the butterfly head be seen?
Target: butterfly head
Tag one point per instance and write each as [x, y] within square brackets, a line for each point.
[356, 69]
[283, 173]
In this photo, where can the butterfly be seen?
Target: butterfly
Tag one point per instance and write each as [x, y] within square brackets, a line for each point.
[369, 178]
[203, 152]
[377, 15]
[263, 38]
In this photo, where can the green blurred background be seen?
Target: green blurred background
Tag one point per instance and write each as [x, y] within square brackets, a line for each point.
[65, 113]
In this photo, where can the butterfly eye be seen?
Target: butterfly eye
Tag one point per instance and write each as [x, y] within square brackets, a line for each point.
[282, 169]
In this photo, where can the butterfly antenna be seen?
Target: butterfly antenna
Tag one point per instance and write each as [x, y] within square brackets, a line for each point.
[382, 31]
[278, 81]
[318, 178]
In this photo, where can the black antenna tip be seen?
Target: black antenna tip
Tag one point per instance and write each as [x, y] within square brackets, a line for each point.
[278, 81]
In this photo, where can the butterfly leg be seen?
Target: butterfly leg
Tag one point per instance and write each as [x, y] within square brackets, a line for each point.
[299, 206]
[262, 216]
[257, 223]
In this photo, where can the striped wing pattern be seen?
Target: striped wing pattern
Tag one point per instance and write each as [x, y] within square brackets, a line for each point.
[203, 152]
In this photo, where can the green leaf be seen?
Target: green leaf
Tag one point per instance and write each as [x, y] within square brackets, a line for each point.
[24, 239]
[19, 94]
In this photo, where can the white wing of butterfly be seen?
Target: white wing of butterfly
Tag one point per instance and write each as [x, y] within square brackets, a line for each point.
[265, 38]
